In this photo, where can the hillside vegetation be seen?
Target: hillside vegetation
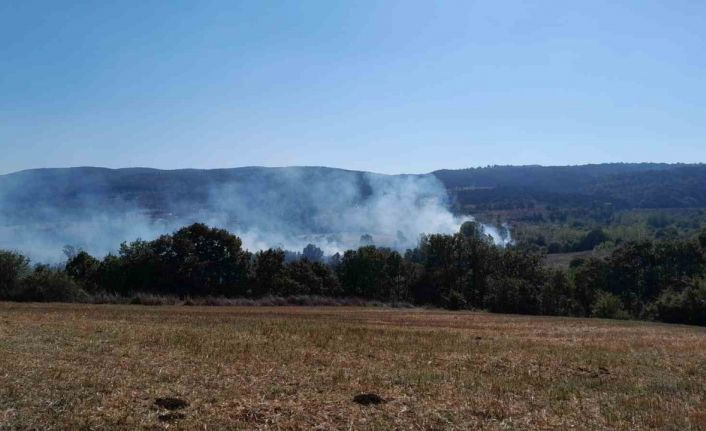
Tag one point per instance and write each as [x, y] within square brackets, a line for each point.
[620, 185]
[613, 250]
[663, 280]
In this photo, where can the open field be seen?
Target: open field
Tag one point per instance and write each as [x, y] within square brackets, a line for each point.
[103, 367]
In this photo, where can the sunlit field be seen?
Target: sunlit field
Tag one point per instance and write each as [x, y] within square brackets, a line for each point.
[105, 366]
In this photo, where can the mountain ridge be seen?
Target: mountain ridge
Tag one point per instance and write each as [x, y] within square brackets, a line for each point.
[622, 185]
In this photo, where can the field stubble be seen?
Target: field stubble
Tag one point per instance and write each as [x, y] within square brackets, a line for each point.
[286, 368]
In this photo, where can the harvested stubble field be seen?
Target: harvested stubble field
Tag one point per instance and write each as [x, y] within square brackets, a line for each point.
[104, 366]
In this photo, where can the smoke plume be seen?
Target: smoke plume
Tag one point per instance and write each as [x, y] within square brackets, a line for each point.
[42, 211]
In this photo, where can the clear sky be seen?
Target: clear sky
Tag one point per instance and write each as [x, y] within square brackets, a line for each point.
[389, 86]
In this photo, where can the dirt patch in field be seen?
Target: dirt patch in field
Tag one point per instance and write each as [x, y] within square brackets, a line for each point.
[368, 399]
[171, 403]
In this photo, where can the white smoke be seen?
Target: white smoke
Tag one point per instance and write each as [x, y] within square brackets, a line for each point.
[286, 208]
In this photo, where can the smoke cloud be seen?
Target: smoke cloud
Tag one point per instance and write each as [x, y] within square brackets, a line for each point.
[266, 207]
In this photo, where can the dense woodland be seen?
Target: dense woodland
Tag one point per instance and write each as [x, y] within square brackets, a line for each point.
[570, 209]
[657, 280]
[617, 185]
[614, 186]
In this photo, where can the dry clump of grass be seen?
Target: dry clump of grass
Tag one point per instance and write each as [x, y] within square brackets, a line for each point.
[266, 301]
[288, 368]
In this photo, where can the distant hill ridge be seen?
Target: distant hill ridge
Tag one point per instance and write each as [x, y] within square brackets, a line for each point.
[623, 185]
[23, 193]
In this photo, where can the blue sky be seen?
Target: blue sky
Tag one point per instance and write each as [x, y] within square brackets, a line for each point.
[390, 86]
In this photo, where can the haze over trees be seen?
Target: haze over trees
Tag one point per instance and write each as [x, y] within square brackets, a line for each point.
[615, 240]
[661, 280]
[561, 209]
[93, 208]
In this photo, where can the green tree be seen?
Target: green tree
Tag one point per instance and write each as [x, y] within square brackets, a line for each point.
[83, 268]
[13, 267]
[634, 275]
[313, 253]
[201, 260]
[589, 277]
[269, 272]
[592, 239]
[557, 295]
[361, 272]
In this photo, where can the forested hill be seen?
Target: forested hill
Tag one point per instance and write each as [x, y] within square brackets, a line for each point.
[622, 185]
[38, 193]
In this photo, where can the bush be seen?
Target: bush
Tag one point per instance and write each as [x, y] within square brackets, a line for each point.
[608, 306]
[46, 284]
[591, 240]
[151, 299]
[108, 298]
[454, 301]
[687, 306]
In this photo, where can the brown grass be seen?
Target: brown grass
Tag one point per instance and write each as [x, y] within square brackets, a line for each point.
[103, 366]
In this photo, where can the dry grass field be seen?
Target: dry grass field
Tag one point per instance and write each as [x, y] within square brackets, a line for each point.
[74, 367]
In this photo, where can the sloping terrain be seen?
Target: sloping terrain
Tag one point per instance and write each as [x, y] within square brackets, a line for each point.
[46, 193]
[621, 185]
[33, 194]
[124, 367]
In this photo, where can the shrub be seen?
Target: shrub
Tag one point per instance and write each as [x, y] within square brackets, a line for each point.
[151, 299]
[687, 306]
[608, 306]
[108, 298]
[46, 284]
[454, 301]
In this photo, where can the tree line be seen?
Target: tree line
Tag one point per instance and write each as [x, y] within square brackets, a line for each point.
[654, 280]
